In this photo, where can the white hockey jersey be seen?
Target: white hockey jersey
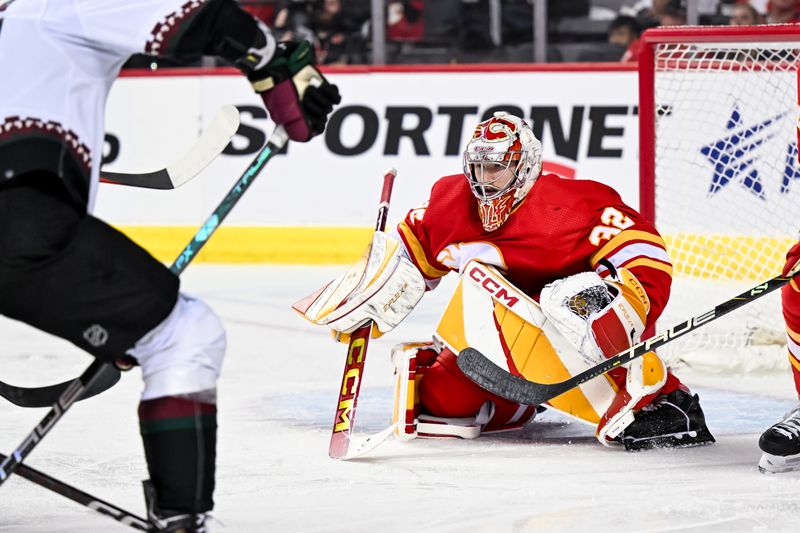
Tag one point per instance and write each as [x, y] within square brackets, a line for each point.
[58, 59]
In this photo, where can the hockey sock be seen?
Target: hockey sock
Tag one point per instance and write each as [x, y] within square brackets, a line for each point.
[180, 437]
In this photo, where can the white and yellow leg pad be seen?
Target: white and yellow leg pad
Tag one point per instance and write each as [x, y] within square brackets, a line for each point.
[404, 359]
[646, 375]
[437, 427]
[488, 313]
[407, 425]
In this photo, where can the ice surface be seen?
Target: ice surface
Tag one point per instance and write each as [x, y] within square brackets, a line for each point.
[276, 407]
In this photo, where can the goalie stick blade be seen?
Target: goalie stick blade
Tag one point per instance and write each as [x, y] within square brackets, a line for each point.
[211, 143]
[494, 379]
[32, 397]
[361, 447]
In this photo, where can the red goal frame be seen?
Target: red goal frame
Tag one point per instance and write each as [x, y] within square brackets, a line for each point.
[647, 114]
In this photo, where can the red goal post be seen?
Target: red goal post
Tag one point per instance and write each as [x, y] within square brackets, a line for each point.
[719, 175]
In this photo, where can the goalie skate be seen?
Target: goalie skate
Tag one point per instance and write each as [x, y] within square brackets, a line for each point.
[672, 420]
[781, 445]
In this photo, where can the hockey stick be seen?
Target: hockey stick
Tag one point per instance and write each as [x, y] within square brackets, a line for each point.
[363, 446]
[494, 379]
[47, 395]
[345, 417]
[276, 141]
[83, 498]
[211, 143]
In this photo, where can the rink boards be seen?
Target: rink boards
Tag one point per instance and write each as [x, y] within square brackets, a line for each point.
[315, 204]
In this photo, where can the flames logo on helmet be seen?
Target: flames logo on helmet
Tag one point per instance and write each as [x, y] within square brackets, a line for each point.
[495, 129]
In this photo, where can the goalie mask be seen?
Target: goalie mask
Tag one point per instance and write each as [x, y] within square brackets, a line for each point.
[501, 162]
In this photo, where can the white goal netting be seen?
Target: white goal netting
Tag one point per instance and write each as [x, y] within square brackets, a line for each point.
[727, 191]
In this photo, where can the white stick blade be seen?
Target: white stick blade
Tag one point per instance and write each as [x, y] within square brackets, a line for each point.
[211, 143]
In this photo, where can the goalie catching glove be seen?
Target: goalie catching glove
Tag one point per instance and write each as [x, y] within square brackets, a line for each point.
[602, 318]
[382, 286]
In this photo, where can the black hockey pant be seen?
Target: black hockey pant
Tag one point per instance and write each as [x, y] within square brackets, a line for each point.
[71, 275]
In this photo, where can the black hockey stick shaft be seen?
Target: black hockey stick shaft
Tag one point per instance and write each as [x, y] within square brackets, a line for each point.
[65, 400]
[276, 141]
[83, 498]
[491, 377]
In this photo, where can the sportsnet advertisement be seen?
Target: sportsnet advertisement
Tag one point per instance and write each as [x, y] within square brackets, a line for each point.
[325, 193]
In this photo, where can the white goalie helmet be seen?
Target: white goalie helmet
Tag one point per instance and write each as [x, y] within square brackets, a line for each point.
[502, 161]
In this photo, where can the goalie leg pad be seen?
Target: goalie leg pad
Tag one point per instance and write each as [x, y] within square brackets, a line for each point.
[418, 363]
[404, 359]
[182, 355]
[508, 417]
[599, 317]
[410, 361]
[470, 427]
[447, 393]
[645, 377]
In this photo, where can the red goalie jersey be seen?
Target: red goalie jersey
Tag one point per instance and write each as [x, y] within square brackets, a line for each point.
[562, 227]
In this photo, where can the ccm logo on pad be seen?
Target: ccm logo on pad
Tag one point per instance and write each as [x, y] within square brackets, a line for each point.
[492, 287]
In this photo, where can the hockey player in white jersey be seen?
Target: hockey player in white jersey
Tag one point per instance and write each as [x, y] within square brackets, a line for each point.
[68, 273]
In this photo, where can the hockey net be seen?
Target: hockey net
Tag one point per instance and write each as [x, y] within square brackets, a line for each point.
[721, 179]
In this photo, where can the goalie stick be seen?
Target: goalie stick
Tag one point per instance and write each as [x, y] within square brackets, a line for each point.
[362, 446]
[211, 143]
[87, 380]
[345, 418]
[494, 379]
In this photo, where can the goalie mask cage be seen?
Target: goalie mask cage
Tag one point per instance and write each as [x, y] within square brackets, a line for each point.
[720, 177]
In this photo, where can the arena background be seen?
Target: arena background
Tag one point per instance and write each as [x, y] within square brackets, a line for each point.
[316, 203]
